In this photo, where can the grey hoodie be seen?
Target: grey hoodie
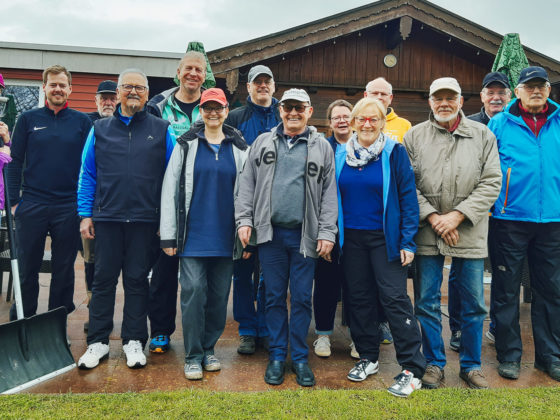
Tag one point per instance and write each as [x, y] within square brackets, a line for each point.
[252, 203]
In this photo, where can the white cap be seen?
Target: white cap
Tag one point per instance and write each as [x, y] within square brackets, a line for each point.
[296, 95]
[445, 83]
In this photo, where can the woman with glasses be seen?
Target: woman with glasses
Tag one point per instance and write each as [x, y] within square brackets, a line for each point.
[328, 274]
[378, 219]
[197, 224]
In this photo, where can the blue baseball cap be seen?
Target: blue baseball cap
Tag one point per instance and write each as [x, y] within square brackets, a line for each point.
[533, 72]
[495, 77]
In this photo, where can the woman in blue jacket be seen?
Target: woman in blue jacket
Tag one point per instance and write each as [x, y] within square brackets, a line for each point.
[378, 218]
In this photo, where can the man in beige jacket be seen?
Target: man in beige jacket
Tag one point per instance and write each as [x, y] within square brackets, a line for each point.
[458, 178]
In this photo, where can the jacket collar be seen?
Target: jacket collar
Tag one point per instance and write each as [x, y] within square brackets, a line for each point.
[260, 108]
[462, 130]
[230, 132]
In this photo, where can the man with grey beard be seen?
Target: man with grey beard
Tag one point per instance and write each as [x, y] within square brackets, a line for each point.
[458, 178]
[495, 95]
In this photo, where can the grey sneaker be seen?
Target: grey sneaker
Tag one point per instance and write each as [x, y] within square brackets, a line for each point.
[353, 352]
[474, 379]
[322, 346]
[385, 336]
[193, 371]
[433, 377]
[211, 363]
[362, 370]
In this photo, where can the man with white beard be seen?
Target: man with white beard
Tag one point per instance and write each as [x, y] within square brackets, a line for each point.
[458, 178]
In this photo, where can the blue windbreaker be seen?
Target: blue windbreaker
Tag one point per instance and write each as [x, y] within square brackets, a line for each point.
[530, 166]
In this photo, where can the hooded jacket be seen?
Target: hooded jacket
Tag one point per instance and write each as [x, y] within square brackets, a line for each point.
[529, 166]
[454, 171]
[178, 182]
[395, 126]
[164, 106]
[253, 201]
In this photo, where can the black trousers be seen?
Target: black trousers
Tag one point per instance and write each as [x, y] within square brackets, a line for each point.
[34, 221]
[326, 292]
[541, 242]
[369, 275]
[163, 295]
[126, 247]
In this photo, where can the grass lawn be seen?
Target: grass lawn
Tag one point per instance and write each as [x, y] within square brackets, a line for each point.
[450, 403]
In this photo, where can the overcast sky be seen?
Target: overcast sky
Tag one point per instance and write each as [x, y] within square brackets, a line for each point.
[168, 25]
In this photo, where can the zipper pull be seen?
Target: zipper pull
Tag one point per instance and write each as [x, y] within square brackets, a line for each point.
[216, 156]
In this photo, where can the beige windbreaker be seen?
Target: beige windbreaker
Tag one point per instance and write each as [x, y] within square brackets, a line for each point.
[454, 171]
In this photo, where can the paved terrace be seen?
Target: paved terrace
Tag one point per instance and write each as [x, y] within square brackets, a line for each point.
[245, 373]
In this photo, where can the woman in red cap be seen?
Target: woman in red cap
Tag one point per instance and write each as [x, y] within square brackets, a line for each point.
[197, 224]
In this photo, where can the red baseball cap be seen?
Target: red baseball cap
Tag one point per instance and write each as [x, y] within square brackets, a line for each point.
[213, 95]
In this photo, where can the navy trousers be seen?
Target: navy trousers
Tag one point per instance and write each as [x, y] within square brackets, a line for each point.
[284, 266]
[34, 221]
[163, 294]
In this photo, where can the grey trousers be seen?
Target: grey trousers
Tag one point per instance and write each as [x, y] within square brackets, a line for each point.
[205, 284]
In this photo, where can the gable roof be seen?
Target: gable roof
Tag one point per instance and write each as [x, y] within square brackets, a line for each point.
[354, 20]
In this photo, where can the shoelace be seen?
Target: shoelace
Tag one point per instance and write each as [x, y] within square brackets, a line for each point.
[160, 338]
[362, 364]
[193, 366]
[323, 340]
[402, 379]
[211, 359]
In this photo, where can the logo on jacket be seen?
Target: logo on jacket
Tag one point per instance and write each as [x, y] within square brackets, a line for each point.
[38, 128]
[266, 158]
[150, 138]
[315, 170]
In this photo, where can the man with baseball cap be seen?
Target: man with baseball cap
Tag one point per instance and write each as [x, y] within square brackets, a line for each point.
[287, 199]
[105, 100]
[527, 222]
[457, 171]
[495, 95]
[258, 116]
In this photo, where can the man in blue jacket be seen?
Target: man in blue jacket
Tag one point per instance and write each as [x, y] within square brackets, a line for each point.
[527, 221]
[50, 140]
[258, 116]
[119, 190]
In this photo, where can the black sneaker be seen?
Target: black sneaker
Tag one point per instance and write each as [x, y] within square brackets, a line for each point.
[455, 341]
[509, 370]
[247, 344]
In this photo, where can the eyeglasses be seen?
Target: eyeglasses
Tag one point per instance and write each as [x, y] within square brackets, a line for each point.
[138, 88]
[363, 120]
[299, 108]
[344, 118]
[216, 109]
[494, 92]
[532, 88]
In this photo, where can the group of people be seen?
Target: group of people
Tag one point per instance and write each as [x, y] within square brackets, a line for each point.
[183, 188]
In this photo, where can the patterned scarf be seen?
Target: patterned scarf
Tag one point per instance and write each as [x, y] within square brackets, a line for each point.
[357, 155]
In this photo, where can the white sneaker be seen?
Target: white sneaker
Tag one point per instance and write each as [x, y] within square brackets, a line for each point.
[405, 384]
[193, 371]
[322, 346]
[353, 352]
[362, 370]
[211, 363]
[135, 357]
[94, 354]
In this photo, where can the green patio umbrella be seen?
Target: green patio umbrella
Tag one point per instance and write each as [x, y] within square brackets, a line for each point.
[510, 58]
[210, 80]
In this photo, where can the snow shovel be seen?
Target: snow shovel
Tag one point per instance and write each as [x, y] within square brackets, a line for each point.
[34, 349]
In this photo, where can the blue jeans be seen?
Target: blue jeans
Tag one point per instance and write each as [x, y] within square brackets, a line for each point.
[251, 320]
[469, 281]
[284, 266]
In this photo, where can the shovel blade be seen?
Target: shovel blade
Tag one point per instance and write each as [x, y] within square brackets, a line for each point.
[33, 350]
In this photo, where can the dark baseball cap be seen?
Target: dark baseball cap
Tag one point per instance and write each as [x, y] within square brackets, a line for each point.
[495, 77]
[533, 72]
[107, 86]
